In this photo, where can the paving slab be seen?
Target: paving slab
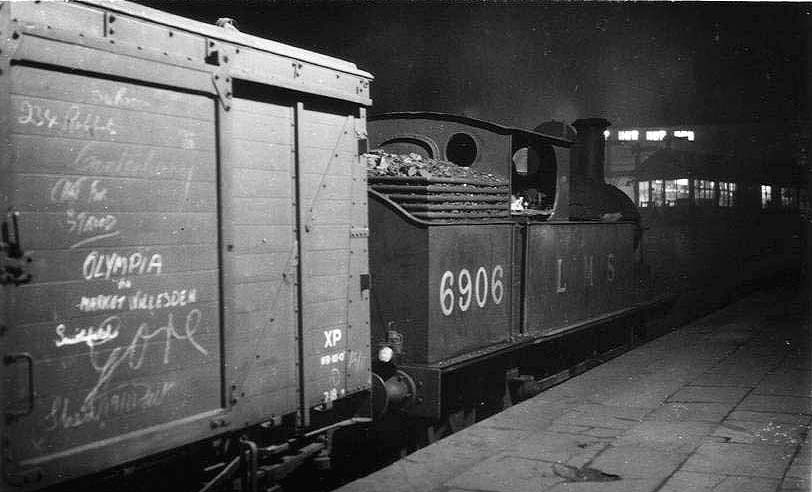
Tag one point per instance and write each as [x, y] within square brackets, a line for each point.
[775, 417]
[731, 333]
[557, 447]
[786, 383]
[739, 369]
[690, 412]
[805, 452]
[648, 393]
[631, 485]
[531, 414]
[744, 379]
[795, 484]
[678, 437]
[508, 474]
[742, 431]
[633, 461]
[606, 416]
[776, 403]
[756, 460]
[603, 432]
[684, 481]
[800, 469]
[568, 429]
[798, 363]
[427, 468]
[709, 394]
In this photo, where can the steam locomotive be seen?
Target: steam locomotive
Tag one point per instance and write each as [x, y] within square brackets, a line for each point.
[485, 288]
[196, 268]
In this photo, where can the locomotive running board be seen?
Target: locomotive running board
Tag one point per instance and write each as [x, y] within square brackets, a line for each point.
[428, 378]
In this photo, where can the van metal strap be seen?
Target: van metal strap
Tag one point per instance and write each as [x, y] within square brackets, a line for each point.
[347, 124]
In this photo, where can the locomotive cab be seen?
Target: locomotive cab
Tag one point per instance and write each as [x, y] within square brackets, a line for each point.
[533, 177]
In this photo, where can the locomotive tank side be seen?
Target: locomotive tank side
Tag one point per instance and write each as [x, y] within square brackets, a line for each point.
[441, 255]
[441, 287]
[585, 265]
[184, 249]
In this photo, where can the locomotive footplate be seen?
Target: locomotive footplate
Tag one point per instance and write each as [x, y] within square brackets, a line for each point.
[431, 381]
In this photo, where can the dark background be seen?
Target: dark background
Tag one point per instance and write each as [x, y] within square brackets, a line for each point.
[521, 64]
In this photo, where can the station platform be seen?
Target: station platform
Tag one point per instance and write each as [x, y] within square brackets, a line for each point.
[721, 404]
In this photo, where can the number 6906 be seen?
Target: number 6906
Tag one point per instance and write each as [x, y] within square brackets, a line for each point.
[477, 288]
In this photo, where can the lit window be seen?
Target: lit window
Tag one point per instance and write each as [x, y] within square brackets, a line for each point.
[703, 191]
[766, 195]
[670, 192]
[789, 197]
[643, 194]
[657, 198]
[628, 135]
[607, 134]
[676, 189]
[683, 189]
[727, 194]
[655, 135]
[689, 134]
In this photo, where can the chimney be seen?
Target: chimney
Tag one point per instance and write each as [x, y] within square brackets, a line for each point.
[590, 144]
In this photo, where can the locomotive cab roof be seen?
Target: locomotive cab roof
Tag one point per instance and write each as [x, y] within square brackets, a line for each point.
[467, 120]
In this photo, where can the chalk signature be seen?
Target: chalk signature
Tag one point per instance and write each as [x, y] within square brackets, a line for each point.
[132, 355]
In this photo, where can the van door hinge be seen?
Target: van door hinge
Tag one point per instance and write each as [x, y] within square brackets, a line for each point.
[13, 259]
[221, 55]
[234, 395]
[365, 282]
[23, 477]
[8, 49]
[222, 85]
[13, 474]
[359, 232]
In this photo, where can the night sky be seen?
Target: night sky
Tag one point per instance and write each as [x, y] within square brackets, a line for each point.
[521, 64]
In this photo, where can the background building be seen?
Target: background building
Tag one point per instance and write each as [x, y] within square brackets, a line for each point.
[758, 150]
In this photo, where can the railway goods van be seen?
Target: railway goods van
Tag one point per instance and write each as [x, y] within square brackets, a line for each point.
[184, 237]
